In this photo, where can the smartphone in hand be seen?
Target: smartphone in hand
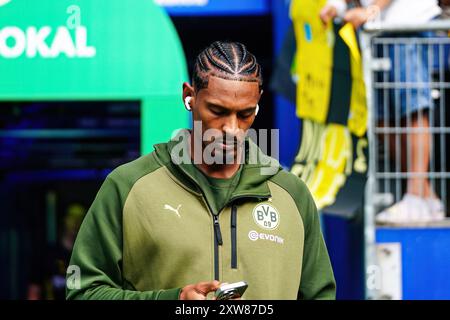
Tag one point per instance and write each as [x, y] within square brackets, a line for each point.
[231, 290]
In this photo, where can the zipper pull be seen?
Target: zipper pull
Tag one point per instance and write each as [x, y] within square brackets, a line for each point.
[233, 216]
[217, 230]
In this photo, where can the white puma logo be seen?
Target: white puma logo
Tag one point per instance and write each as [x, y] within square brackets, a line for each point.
[167, 207]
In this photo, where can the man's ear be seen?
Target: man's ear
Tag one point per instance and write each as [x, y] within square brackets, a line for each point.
[188, 91]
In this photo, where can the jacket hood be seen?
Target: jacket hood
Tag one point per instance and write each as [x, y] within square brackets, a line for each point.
[257, 168]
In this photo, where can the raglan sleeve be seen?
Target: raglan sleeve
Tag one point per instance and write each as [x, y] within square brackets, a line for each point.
[317, 279]
[95, 269]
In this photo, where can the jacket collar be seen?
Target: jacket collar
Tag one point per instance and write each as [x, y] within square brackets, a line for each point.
[257, 169]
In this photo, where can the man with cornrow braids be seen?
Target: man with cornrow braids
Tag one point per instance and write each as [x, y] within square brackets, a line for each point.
[206, 208]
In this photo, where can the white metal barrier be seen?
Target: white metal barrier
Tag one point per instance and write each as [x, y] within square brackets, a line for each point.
[405, 76]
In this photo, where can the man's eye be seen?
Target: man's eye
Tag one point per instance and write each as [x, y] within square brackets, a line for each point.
[218, 112]
[244, 115]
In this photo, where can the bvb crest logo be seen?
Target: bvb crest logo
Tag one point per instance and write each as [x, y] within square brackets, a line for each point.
[266, 216]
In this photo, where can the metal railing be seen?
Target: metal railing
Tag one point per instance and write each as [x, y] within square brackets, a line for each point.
[404, 73]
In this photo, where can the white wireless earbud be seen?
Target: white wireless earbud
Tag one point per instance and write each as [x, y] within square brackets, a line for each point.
[187, 102]
[257, 110]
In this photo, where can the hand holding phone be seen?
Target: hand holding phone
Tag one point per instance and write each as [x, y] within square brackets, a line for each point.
[231, 290]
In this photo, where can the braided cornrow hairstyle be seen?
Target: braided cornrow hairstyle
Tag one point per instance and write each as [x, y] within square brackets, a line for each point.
[227, 60]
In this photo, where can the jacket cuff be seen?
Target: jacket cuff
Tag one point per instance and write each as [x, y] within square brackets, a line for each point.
[170, 294]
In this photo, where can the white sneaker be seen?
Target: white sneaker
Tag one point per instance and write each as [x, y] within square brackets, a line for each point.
[411, 209]
[437, 209]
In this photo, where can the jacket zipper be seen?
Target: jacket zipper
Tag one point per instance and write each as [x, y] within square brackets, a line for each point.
[217, 242]
[233, 236]
[218, 235]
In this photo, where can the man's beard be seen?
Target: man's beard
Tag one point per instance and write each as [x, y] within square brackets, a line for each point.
[225, 151]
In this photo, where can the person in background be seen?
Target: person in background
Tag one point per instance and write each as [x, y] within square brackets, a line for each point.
[420, 202]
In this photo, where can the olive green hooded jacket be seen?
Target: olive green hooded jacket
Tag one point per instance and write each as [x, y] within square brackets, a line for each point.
[154, 228]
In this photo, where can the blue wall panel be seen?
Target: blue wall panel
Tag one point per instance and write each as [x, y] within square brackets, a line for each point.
[425, 260]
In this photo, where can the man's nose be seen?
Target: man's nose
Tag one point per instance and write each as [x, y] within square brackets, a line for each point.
[231, 126]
